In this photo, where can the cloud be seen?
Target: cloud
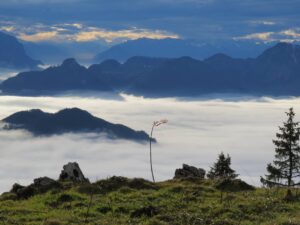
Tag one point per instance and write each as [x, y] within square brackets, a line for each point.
[288, 35]
[264, 36]
[197, 131]
[7, 28]
[77, 32]
[41, 36]
[294, 33]
[131, 34]
[203, 20]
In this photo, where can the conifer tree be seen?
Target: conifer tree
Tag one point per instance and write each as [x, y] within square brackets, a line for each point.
[285, 169]
[221, 169]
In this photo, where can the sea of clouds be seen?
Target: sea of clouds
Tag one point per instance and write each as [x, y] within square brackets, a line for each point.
[197, 131]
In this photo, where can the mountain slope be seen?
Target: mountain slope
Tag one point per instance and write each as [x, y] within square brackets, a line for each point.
[13, 55]
[120, 200]
[69, 120]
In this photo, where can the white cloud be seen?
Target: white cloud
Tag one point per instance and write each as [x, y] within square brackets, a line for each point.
[130, 34]
[78, 32]
[40, 36]
[7, 28]
[197, 131]
[288, 35]
[294, 33]
[264, 36]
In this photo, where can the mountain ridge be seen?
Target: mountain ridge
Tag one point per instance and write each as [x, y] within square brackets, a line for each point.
[274, 72]
[69, 120]
[175, 48]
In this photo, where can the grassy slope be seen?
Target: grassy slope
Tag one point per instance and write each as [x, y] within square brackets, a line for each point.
[175, 202]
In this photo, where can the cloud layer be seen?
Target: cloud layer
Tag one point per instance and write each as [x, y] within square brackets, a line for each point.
[77, 32]
[197, 131]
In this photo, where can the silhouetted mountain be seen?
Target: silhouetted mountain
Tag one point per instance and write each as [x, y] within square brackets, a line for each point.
[13, 55]
[55, 52]
[274, 72]
[69, 120]
[68, 76]
[122, 76]
[175, 48]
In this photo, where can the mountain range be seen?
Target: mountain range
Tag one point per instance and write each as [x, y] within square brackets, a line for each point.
[175, 48]
[274, 72]
[13, 55]
[69, 120]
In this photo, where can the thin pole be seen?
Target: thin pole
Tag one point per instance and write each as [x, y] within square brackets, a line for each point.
[151, 153]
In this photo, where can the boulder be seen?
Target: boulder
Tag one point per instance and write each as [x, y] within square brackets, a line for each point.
[44, 184]
[25, 192]
[16, 187]
[39, 185]
[189, 172]
[72, 172]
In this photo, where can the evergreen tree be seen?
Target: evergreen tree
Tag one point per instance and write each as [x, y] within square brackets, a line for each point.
[286, 167]
[221, 169]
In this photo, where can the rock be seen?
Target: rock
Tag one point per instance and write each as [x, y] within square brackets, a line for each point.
[16, 187]
[22, 192]
[25, 192]
[72, 172]
[39, 185]
[189, 172]
[44, 184]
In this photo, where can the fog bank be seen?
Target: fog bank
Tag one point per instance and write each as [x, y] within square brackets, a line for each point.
[197, 131]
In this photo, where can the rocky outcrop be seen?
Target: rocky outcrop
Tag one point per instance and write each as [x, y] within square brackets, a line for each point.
[189, 172]
[39, 185]
[72, 172]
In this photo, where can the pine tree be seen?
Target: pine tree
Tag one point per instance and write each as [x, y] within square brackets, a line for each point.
[285, 169]
[221, 169]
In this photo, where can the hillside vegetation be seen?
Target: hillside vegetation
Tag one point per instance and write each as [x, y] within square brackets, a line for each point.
[119, 200]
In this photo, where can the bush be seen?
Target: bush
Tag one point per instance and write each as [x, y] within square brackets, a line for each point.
[115, 183]
[233, 185]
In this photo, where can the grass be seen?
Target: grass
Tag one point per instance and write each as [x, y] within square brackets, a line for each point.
[135, 201]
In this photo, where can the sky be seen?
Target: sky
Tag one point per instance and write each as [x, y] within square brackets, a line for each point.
[197, 131]
[115, 21]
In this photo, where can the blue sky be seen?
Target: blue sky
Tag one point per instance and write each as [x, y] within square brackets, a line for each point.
[114, 21]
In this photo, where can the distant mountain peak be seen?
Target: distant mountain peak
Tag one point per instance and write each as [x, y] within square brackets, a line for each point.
[74, 111]
[282, 53]
[218, 56]
[71, 63]
[13, 54]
